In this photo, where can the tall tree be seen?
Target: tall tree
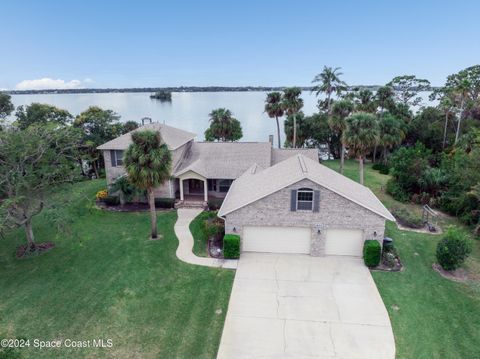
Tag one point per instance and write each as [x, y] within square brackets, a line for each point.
[390, 133]
[361, 134]
[329, 82]
[274, 109]
[340, 111]
[129, 126]
[41, 114]
[365, 101]
[407, 88]
[98, 126]
[446, 105]
[32, 162]
[384, 98]
[6, 105]
[292, 104]
[300, 127]
[148, 163]
[223, 126]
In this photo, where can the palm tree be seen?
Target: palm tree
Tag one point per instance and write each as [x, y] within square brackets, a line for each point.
[361, 134]
[292, 104]
[274, 109]
[223, 126]
[390, 133]
[340, 111]
[148, 163]
[329, 82]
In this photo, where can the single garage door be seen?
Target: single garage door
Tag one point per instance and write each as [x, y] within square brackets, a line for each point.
[344, 242]
[276, 239]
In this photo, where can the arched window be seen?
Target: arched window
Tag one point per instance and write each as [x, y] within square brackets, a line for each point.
[305, 199]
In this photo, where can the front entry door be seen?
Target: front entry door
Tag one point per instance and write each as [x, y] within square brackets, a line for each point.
[195, 186]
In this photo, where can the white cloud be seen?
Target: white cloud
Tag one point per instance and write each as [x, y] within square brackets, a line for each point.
[51, 84]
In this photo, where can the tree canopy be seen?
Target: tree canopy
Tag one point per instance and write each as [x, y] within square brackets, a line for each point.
[32, 162]
[223, 126]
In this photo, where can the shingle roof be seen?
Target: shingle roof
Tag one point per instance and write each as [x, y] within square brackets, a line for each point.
[250, 187]
[227, 160]
[172, 136]
[281, 154]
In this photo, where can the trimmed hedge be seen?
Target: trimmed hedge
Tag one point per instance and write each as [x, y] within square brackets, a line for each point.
[453, 249]
[231, 246]
[164, 202]
[382, 168]
[372, 251]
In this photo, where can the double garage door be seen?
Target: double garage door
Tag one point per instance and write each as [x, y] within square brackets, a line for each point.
[297, 240]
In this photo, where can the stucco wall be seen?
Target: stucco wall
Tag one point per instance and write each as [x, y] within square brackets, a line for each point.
[335, 212]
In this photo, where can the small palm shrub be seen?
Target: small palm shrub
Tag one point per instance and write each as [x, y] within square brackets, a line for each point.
[453, 249]
[372, 251]
[231, 246]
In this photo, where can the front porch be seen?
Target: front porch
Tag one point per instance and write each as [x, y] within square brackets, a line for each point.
[194, 190]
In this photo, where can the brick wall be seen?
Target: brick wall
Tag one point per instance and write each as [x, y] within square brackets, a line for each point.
[335, 212]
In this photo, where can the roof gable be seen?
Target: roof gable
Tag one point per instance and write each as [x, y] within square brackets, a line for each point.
[173, 137]
[251, 188]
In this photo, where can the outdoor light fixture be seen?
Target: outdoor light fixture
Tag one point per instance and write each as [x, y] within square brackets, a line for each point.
[234, 229]
[375, 233]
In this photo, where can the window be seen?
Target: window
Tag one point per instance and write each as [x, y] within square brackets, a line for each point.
[305, 199]
[116, 157]
[224, 185]
[212, 184]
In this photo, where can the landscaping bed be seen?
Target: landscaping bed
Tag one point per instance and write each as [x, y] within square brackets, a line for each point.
[207, 231]
[23, 252]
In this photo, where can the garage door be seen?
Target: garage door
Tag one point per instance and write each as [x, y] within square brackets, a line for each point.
[276, 239]
[344, 242]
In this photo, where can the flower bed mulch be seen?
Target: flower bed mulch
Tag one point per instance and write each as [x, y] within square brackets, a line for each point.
[40, 248]
[457, 275]
[385, 267]
[129, 207]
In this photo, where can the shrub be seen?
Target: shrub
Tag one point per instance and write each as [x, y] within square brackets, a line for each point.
[214, 226]
[406, 218]
[101, 195]
[164, 202]
[382, 168]
[112, 200]
[372, 251]
[397, 192]
[231, 246]
[214, 204]
[385, 170]
[453, 249]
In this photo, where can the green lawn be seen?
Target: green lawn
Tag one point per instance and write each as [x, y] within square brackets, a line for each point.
[106, 280]
[432, 317]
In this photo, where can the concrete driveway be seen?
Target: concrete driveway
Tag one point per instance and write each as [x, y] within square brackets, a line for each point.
[298, 306]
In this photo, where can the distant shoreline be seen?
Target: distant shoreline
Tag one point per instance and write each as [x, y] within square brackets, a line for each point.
[174, 89]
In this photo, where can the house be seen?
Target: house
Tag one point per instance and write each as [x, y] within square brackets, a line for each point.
[300, 206]
[200, 170]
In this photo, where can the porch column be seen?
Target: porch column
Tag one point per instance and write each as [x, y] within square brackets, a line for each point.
[205, 190]
[181, 189]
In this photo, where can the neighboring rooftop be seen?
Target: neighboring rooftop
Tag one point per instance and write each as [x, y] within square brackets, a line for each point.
[279, 155]
[172, 136]
[249, 187]
[226, 160]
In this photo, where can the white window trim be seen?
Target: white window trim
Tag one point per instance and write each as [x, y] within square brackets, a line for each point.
[304, 190]
[116, 158]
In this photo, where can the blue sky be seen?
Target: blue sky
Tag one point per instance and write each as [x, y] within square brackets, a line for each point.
[173, 43]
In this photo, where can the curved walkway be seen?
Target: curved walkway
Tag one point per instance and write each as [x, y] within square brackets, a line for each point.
[185, 242]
